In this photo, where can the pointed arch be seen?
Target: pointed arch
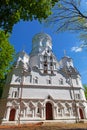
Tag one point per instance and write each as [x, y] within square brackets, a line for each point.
[81, 113]
[31, 104]
[14, 103]
[12, 114]
[49, 111]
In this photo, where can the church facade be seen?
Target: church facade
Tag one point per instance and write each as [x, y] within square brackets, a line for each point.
[41, 88]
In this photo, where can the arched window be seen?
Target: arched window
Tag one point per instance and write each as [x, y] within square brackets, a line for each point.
[12, 115]
[45, 57]
[51, 63]
[49, 81]
[51, 57]
[49, 111]
[77, 82]
[81, 113]
[77, 96]
[35, 80]
[60, 81]
[38, 110]
[14, 94]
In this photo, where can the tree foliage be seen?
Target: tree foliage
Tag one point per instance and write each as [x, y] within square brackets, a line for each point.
[85, 90]
[69, 15]
[11, 11]
[6, 54]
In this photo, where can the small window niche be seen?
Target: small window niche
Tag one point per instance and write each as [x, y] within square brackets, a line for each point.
[60, 81]
[14, 94]
[35, 80]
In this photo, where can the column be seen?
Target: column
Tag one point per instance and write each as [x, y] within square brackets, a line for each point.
[42, 112]
[17, 114]
[24, 112]
[8, 113]
[54, 112]
[57, 111]
[62, 111]
[33, 113]
[78, 114]
[70, 111]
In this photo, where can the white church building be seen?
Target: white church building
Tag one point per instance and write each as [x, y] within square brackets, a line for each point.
[41, 88]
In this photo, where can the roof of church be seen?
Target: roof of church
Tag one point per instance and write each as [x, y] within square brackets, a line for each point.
[41, 35]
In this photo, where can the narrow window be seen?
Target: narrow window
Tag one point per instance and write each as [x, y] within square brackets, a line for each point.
[45, 58]
[51, 63]
[14, 94]
[61, 81]
[30, 78]
[38, 110]
[51, 58]
[49, 81]
[35, 80]
[77, 82]
[51, 71]
[45, 67]
[77, 96]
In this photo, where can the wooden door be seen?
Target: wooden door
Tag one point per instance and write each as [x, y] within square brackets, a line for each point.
[81, 113]
[12, 115]
[49, 113]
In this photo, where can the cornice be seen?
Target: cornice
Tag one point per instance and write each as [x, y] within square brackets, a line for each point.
[46, 86]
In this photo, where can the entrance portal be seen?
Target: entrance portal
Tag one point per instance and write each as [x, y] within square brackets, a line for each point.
[12, 115]
[81, 113]
[49, 113]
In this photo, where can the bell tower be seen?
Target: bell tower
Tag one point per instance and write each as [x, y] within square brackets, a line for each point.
[41, 55]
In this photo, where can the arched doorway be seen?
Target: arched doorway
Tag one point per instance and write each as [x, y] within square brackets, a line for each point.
[49, 113]
[12, 115]
[81, 113]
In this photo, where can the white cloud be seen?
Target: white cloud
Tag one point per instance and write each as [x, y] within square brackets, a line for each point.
[80, 46]
[76, 49]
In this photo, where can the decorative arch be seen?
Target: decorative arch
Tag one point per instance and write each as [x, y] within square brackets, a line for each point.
[49, 111]
[12, 114]
[23, 104]
[60, 105]
[31, 104]
[81, 113]
[14, 103]
[40, 104]
[67, 105]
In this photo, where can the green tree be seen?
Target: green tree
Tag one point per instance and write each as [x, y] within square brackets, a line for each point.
[85, 90]
[6, 54]
[11, 11]
[69, 15]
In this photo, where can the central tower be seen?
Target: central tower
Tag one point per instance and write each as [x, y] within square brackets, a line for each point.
[40, 42]
[42, 54]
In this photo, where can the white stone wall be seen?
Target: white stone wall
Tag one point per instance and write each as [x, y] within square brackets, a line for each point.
[29, 89]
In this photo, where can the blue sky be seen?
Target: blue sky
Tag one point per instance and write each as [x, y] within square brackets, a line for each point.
[23, 33]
